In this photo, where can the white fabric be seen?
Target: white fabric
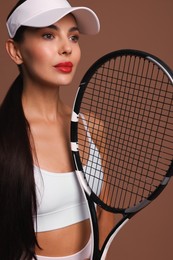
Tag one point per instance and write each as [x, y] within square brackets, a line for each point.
[61, 201]
[42, 13]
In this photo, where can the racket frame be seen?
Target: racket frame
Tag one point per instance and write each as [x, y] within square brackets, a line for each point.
[91, 197]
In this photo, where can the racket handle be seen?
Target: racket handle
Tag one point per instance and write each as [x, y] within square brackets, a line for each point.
[95, 229]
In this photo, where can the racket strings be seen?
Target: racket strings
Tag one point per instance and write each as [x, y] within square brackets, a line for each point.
[132, 98]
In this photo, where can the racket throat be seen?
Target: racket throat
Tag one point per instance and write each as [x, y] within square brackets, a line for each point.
[111, 236]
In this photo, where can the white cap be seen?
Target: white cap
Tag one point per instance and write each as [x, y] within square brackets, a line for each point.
[42, 13]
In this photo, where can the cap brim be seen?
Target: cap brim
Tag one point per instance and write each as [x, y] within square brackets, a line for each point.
[87, 20]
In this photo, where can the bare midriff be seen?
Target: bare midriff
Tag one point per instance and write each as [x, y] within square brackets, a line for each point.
[64, 241]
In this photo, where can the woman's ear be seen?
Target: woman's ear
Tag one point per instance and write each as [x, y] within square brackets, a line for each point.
[13, 51]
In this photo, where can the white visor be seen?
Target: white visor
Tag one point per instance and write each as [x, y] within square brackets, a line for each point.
[43, 13]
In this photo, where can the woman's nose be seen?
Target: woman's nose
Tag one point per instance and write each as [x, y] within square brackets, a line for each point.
[65, 47]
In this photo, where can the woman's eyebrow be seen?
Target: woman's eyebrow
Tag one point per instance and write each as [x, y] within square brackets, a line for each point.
[54, 27]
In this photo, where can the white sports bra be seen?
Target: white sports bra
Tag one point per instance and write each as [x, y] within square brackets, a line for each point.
[60, 199]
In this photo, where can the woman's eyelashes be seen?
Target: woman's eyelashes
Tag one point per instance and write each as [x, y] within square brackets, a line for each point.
[74, 38]
[50, 36]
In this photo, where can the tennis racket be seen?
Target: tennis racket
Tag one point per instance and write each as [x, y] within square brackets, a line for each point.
[122, 136]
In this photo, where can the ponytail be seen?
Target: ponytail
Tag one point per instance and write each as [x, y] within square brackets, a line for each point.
[17, 186]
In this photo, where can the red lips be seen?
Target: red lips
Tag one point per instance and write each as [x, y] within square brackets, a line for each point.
[65, 67]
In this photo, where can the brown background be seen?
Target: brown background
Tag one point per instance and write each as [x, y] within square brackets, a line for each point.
[136, 24]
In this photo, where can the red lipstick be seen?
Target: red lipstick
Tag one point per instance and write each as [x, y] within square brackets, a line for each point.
[65, 67]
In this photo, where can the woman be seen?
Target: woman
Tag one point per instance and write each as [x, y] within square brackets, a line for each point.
[44, 214]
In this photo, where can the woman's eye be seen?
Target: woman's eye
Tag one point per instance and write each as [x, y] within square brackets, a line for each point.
[48, 36]
[74, 38]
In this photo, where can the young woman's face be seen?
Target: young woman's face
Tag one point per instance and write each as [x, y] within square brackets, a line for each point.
[50, 55]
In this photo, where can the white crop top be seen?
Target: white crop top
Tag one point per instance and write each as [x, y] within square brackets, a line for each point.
[60, 199]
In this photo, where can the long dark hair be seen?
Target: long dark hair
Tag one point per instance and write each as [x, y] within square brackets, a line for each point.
[17, 187]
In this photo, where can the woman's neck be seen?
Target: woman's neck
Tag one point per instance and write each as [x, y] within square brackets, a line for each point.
[42, 103]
